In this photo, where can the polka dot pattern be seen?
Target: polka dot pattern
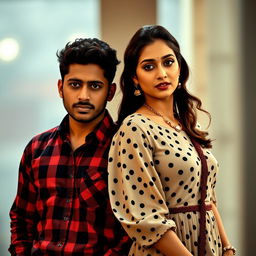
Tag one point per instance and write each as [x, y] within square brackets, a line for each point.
[159, 169]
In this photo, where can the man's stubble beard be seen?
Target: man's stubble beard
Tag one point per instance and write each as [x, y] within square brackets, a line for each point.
[82, 120]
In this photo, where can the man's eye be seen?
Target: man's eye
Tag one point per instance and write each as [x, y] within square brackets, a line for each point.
[74, 85]
[148, 67]
[168, 62]
[95, 86]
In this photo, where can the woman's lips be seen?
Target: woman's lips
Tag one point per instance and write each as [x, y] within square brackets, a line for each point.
[162, 86]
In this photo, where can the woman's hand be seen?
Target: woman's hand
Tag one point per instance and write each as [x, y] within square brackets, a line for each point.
[170, 245]
[228, 253]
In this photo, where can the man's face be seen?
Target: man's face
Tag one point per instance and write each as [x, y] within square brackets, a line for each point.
[85, 92]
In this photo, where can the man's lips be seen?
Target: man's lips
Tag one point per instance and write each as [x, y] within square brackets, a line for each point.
[83, 106]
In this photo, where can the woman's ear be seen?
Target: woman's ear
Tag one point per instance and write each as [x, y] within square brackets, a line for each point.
[60, 88]
[135, 80]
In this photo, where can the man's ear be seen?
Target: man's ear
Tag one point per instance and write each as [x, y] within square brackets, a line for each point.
[60, 88]
[111, 92]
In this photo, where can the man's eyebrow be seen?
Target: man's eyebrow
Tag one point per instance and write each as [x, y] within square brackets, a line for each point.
[81, 81]
[74, 80]
[95, 82]
[164, 57]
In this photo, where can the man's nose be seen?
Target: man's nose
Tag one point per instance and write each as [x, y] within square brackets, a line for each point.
[84, 94]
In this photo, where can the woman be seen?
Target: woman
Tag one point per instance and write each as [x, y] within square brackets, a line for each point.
[161, 174]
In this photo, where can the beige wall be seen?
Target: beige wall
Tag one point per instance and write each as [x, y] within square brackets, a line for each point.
[119, 21]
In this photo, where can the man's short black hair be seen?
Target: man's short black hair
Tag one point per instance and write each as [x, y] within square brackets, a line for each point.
[88, 51]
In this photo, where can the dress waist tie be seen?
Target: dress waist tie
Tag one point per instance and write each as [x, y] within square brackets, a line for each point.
[191, 208]
[202, 207]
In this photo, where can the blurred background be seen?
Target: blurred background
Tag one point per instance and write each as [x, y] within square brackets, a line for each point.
[217, 40]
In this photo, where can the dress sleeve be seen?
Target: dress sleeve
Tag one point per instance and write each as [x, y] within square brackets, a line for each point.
[214, 170]
[214, 197]
[135, 189]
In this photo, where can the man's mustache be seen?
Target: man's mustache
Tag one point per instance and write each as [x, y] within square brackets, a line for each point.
[83, 103]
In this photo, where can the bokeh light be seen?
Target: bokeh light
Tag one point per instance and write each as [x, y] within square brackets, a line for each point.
[9, 49]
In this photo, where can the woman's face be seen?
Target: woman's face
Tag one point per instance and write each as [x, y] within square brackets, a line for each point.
[157, 71]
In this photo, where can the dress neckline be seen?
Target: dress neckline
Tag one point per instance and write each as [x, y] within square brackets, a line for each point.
[161, 125]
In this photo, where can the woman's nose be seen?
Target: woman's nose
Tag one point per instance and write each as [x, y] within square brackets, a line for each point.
[161, 73]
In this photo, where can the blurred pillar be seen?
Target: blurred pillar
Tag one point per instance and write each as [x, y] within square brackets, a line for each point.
[249, 122]
[119, 21]
[200, 69]
[217, 65]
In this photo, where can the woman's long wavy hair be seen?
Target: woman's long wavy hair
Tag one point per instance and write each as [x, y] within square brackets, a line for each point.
[185, 104]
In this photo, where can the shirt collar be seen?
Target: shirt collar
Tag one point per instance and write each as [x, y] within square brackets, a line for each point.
[102, 132]
[105, 129]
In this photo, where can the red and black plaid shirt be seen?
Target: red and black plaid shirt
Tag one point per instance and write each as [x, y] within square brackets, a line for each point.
[62, 205]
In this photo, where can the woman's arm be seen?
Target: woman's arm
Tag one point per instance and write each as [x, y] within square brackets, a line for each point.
[170, 245]
[136, 191]
[223, 235]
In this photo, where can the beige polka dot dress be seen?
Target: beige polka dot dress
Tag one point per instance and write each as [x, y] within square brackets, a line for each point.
[152, 169]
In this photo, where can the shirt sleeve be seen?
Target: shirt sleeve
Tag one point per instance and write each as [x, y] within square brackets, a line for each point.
[23, 214]
[124, 242]
[135, 189]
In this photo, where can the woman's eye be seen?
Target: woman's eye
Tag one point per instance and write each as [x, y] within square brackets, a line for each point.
[148, 67]
[168, 62]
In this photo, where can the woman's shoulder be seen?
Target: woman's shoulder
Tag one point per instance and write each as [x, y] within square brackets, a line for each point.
[135, 127]
[137, 120]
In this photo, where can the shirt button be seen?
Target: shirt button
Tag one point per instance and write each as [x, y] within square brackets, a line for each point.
[59, 244]
[68, 201]
[66, 218]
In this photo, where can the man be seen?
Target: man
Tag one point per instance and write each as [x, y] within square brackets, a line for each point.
[62, 206]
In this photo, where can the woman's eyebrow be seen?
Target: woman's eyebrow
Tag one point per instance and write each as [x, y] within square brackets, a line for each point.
[164, 57]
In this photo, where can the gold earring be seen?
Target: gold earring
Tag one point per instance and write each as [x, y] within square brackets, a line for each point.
[137, 91]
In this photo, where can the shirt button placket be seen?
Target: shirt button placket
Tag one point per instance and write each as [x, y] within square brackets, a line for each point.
[66, 218]
[59, 244]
